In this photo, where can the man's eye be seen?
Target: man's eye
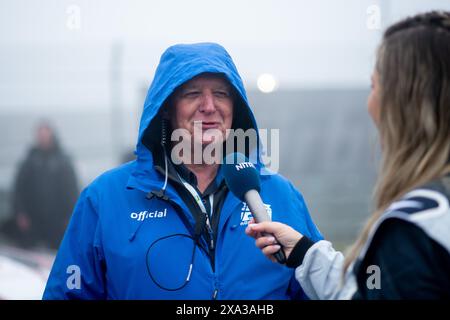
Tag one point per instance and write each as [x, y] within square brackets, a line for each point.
[191, 94]
[222, 94]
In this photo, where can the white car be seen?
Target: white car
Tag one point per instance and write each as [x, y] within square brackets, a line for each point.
[23, 273]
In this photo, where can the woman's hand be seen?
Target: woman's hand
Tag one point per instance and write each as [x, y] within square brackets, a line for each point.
[265, 234]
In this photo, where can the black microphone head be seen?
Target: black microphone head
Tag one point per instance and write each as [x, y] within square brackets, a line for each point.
[240, 175]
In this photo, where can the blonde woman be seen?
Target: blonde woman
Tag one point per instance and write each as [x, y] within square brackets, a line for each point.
[404, 250]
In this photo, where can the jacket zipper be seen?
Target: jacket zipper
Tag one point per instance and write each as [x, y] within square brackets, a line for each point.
[210, 232]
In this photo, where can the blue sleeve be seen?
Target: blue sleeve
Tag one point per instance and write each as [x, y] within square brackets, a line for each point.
[78, 270]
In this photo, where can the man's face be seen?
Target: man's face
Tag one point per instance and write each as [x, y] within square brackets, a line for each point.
[206, 102]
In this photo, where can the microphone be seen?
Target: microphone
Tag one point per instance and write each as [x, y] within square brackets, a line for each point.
[243, 181]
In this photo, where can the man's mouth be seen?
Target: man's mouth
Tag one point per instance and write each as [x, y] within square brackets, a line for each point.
[205, 125]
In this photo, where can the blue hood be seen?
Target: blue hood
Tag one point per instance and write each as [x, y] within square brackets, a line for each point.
[179, 64]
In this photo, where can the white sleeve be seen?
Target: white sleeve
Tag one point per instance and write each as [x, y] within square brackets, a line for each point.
[320, 274]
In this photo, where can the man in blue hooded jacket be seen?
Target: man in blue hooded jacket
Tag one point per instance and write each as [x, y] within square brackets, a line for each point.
[163, 227]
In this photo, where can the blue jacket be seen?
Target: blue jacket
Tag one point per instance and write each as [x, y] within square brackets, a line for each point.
[105, 251]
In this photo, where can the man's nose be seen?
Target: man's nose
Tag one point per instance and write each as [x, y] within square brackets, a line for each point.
[207, 104]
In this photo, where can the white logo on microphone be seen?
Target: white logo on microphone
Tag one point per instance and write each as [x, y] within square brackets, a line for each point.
[246, 214]
[244, 165]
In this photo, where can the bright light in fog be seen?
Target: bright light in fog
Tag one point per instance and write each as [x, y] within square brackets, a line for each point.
[266, 83]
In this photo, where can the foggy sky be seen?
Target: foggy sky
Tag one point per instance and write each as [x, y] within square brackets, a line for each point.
[46, 63]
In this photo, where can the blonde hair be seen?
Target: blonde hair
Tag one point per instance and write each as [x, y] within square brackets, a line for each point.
[413, 66]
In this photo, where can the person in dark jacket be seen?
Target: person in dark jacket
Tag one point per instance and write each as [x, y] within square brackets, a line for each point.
[44, 193]
[404, 250]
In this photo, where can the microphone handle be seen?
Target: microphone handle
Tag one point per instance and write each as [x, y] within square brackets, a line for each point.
[259, 212]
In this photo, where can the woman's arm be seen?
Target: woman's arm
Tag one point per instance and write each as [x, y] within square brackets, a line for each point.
[318, 265]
